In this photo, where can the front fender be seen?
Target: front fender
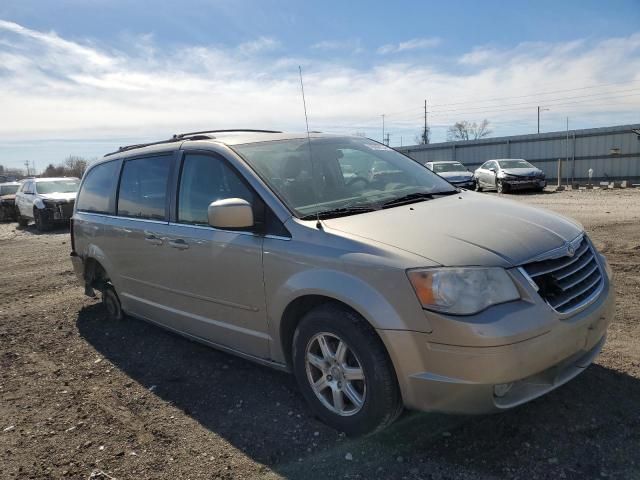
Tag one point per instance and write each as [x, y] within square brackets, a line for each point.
[336, 285]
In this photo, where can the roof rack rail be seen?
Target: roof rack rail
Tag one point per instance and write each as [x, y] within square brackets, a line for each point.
[140, 145]
[187, 136]
[249, 130]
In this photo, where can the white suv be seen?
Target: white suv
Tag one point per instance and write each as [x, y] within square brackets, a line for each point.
[46, 201]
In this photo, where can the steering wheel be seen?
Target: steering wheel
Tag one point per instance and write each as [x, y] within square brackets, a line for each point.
[353, 180]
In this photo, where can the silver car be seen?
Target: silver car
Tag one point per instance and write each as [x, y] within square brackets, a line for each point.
[377, 292]
[508, 174]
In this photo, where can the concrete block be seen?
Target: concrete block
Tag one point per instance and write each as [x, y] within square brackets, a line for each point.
[614, 185]
[559, 188]
[604, 184]
[575, 186]
[589, 186]
[625, 184]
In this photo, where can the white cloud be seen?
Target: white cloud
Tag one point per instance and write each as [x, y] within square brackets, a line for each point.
[52, 87]
[262, 44]
[350, 45]
[413, 44]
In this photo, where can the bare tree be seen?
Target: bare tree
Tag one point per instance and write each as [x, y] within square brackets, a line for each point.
[465, 130]
[75, 166]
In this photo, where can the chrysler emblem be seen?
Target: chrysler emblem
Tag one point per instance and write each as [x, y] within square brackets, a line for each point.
[571, 251]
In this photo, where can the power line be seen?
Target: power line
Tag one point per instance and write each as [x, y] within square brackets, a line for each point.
[535, 102]
[536, 94]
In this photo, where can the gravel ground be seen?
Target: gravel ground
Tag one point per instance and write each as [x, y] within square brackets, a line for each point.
[79, 395]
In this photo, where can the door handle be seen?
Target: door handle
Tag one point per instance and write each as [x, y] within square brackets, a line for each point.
[152, 239]
[179, 243]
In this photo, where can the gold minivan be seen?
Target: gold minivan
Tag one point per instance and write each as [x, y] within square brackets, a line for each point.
[377, 283]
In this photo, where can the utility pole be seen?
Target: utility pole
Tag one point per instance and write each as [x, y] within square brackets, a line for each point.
[567, 152]
[383, 128]
[26, 164]
[425, 137]
[387, 140]
[540, 109]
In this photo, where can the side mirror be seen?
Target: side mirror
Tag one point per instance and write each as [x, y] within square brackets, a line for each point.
[492, 170]
[230, 213]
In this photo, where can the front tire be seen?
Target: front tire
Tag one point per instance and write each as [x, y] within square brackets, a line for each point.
[22, 221]
[501, 187]
[42, 221]
[344, 372]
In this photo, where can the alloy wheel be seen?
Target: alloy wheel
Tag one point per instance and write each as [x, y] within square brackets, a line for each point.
[335, 374]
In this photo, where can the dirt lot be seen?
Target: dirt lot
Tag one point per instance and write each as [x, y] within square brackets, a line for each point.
[81, 395]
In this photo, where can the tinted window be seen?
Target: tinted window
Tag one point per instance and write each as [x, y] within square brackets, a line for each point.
[98, 188]
[143, 188]
[205, 179]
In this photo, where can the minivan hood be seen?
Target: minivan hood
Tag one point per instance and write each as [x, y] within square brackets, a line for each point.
[58, 196]
[464, 229]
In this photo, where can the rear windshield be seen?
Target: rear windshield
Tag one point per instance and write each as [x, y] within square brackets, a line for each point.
[8, 189]
[58, 186]
[448, 167]
[515, 164]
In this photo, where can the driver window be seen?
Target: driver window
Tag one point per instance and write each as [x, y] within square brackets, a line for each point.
[205, 179]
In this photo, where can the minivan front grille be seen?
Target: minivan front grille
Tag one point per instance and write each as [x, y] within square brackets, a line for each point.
[568, 282]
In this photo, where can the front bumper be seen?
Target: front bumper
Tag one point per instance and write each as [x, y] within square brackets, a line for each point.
[468, 184]
[515, 184]
[59, 212]
[461, 379]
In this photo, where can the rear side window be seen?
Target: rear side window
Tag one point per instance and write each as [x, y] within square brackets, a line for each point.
[205, 179]
[98, 188]
[143, 187]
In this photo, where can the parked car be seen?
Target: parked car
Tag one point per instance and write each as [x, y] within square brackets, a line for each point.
[404, 292]
[453, 172]
[508, 174]
[8, 201]
[46, 201]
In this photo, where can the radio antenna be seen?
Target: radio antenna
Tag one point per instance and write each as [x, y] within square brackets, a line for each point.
[306, 119]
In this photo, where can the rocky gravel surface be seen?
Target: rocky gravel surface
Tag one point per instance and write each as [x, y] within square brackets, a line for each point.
[81, 397]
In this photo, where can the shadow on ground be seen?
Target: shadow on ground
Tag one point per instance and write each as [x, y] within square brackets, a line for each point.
[589, 428]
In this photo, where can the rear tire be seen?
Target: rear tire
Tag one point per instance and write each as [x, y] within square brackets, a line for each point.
[354, 366]
[111, 303]
[478, 187]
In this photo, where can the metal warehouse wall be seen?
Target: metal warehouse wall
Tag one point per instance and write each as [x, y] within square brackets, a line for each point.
[612, 152]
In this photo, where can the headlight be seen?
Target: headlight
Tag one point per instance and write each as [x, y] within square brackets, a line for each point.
[462, 291]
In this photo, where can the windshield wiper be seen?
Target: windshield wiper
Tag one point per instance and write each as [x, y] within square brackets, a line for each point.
[338, 212]
[415, 197]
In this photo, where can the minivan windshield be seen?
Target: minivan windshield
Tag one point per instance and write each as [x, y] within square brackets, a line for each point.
[8, 189]
[448, 167]
[58, 186]
[341, 176]
[515, 164]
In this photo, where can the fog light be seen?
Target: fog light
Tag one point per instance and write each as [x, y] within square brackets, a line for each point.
[502, 389]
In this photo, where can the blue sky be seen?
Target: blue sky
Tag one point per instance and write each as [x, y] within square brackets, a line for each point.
[82, 77]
